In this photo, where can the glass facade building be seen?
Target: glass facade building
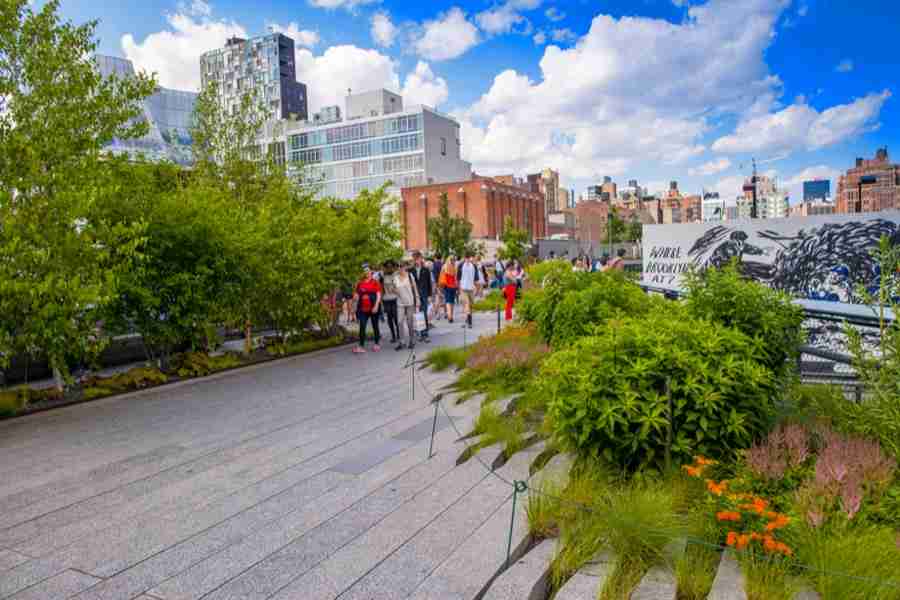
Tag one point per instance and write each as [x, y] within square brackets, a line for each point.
[405, 148]
[819, 189]
[167, 112]
[263, 65]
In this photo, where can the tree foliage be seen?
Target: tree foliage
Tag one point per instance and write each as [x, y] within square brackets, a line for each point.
[515, 241]
[57, 265]
[448, 234]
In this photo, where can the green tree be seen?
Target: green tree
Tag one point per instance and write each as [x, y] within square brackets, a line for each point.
[57, 113]
[448, 234]
[515, 241]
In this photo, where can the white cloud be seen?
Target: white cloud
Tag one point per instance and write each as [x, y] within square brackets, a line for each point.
[729, 188]
[330, 74]
[554, 14]
[801, 126]
[803, 10]
[423, 87]
[448, 36]
[499, 20]
[197, 8]
[563, 35]
[383, 29]
[601, 107]
[174, 54]
[710, 168]
[301, 37]
[540, 38]
[845, 66]
[350, 5]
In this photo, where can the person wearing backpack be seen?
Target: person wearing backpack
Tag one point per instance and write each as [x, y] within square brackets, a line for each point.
[408, 303]
[368, 295]
[450, 285]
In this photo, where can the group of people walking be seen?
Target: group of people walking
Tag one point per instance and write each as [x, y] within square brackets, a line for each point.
[408, 296]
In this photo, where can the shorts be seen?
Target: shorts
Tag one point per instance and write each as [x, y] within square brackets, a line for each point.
[468, 297]
[450, 295]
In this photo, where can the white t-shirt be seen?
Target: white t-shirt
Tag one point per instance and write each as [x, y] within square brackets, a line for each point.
[468, 275]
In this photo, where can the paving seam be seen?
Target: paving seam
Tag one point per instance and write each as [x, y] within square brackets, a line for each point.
[273, 475]
[421, 529]
[261, 525]
[332, 518]
[63, 566]
[450, 554]
[223, 465]
[336, 516]
[156, 424]
[349, 407]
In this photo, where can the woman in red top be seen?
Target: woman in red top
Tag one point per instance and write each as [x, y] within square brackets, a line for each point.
[368, 296]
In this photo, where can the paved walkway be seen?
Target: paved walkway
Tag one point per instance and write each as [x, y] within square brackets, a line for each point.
[305, 478]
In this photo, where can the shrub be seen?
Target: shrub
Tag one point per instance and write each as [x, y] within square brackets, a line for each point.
[12, 402]
[491, 302]
[133, 379]
[198, 364]
[607, 392]
[514, 352]
[609, 296]
[767, 316]
[538, 272]
[877, 416]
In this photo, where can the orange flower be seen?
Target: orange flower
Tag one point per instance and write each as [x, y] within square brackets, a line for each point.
[731, 540]
[742, 541]
[702, 461]
[728, 515]
[692, 471]
[777, 523]
[716, 488]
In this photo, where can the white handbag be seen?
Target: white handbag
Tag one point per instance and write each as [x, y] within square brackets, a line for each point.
[420, 321]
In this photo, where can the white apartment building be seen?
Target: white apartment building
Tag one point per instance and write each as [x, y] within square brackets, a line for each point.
[379, 141]
[771, 202]
[713, 207]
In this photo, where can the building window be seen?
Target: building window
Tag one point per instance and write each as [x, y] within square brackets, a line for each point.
[443, 146]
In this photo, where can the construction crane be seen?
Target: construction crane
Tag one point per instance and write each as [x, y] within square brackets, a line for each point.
[751, 187]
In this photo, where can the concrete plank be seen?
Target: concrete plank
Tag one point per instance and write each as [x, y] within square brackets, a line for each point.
[422, 430]
[527, 578]
[375, 455]
[10, 559]
[57, 587]
[729, 583]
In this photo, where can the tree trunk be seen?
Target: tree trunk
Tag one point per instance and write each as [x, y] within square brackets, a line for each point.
[248, 337]
[58, 380]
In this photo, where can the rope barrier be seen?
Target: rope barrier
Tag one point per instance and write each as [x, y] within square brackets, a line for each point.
[521, 486]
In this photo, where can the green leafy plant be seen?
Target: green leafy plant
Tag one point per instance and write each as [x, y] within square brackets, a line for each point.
[133, 379]
[448, 234]
[13, 402]
[766, 316]
[515, 242]
[492, 302]
[198, 364]
[609, 296]
[441, 359]
[609, 393]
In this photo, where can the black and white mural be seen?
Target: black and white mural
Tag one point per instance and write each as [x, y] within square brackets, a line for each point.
[824, 257]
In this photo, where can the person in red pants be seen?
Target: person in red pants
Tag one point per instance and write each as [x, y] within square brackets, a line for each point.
[509, 289]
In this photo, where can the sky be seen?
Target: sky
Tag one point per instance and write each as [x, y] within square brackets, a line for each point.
[653, 90]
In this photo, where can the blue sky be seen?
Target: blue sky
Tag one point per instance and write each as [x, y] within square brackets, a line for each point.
[636, 89]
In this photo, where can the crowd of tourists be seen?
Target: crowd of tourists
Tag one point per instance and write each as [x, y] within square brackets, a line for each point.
[412, 296]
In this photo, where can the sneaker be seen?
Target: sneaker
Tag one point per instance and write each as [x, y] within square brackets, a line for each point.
[376, 348]
[399, 347]
[358, 350]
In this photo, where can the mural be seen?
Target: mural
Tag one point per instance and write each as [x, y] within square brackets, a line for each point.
[819, 258]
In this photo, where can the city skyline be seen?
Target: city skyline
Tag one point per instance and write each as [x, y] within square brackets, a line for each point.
[785, 88]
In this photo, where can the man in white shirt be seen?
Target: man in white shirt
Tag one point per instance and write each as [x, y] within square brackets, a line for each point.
[469, 277]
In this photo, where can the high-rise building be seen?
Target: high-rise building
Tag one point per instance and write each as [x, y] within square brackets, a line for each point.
[816, 189]
[263, 66]
[594, 193]
[168, 113]
[713, 207]
[809, 208]
[872, 185]
[771, 202]
[406, 147]
[547, 182]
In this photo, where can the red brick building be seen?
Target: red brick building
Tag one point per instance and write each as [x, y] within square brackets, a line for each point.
[877, 180]
[483, 201]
